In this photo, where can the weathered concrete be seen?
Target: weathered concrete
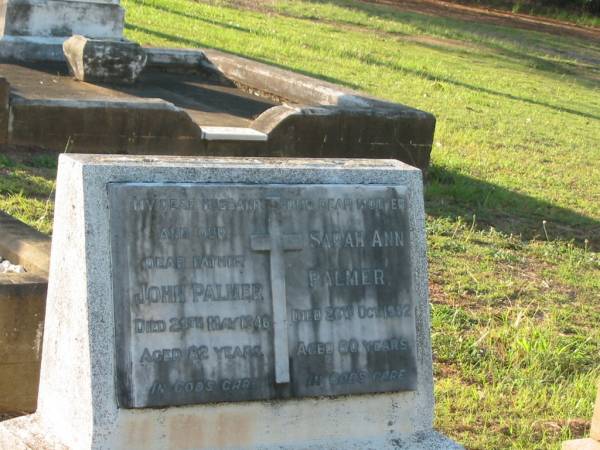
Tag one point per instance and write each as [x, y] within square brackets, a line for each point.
[301, 116]
[22, 304]
[77, 403]
[61, 18]
[103, 60]
[24, 49]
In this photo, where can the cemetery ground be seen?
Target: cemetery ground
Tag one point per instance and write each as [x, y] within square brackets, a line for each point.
[513, 191]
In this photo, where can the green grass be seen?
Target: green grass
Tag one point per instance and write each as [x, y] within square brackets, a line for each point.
[27, 188]
[513, 197]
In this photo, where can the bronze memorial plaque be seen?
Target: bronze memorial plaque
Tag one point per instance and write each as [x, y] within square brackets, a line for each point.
[249, 292]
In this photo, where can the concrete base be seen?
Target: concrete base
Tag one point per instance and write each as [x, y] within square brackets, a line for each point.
[29, 48]
[26, 433]
[581, 444]
[61, 18]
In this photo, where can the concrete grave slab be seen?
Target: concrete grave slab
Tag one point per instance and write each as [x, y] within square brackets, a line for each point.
[182, 92]
[78, 405]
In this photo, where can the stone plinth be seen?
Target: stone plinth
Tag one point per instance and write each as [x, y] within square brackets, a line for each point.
[184, 279]
[102, 60]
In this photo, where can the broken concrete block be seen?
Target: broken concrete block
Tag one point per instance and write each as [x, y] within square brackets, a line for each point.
[104, 60]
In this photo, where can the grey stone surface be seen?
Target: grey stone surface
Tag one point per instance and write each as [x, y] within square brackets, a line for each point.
[244, 292]
[61, 18]
[104, 60]
[77, 406]
[31, 49]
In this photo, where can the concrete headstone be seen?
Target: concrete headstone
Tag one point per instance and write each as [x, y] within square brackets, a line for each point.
[235, 303]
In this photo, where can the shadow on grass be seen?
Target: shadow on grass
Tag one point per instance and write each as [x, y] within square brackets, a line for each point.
[453, 195]
[200, 45]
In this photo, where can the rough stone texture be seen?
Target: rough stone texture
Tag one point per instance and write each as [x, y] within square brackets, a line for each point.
[22, 304]
[102, 60]
[77, 391]
[61, 18]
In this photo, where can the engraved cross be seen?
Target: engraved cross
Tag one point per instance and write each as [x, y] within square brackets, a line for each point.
[277, 243]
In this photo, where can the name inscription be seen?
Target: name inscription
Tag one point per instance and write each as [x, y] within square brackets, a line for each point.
[235, 293]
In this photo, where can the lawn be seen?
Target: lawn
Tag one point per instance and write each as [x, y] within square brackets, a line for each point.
[513, 196]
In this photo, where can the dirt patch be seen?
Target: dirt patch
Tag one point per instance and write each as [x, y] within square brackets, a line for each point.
[493, 16]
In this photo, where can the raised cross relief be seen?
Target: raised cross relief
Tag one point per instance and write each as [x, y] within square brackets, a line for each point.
[277, 243]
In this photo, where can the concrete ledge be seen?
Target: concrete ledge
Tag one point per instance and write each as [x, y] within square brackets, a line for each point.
[24, 48]
[171, 59]
[27, 433]
[300, 88]
[332, 132]
[22, 305]
[116, 126]
[331, 121]
[232, 134]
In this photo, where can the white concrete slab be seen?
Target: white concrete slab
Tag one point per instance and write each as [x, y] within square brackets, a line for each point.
[232, 134]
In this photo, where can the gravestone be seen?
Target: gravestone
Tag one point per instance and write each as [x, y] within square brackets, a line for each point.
[235, 303]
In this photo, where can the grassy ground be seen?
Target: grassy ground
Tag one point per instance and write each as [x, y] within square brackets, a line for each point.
[513, 198]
